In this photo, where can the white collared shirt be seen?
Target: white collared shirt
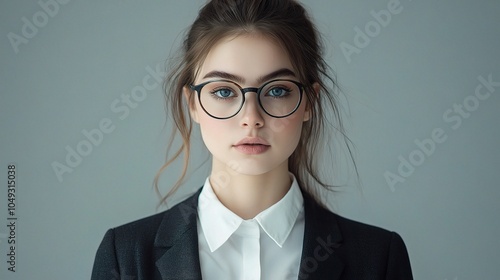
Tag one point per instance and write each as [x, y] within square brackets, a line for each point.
[268, 246]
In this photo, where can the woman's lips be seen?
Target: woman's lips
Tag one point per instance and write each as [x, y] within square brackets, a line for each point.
[252, 149]
[252, 141]
[252, 145]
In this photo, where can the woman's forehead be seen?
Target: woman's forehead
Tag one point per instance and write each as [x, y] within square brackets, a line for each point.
[248, 57]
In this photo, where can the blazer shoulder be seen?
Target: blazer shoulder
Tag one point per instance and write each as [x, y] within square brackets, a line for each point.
[139, 228]
[370, 248]
[368, 251]
[353, 233]
[355, 229]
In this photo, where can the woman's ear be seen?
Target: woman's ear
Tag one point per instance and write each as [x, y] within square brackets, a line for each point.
[308, 111]
[191, 104]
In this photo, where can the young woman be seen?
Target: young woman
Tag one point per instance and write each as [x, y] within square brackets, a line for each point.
[253, 79]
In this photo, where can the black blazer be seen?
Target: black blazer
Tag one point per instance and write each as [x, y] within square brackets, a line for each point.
[165, 246]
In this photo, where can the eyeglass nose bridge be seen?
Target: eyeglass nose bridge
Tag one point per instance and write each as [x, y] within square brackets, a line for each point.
[250, 89]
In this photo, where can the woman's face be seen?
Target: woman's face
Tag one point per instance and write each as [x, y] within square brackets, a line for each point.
[250, 61]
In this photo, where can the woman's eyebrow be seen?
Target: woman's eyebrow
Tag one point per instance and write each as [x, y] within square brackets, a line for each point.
[275, 74]
[224, 75]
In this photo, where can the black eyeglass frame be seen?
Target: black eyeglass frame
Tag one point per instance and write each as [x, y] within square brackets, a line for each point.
[258, 90]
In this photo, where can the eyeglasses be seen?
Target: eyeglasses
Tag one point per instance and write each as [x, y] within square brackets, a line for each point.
[223, 99]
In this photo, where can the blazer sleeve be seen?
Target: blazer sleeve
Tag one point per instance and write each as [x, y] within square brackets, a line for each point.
[106, 264]
[398, 263]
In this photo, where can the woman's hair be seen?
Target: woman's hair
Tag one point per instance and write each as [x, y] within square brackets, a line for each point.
[286, 22]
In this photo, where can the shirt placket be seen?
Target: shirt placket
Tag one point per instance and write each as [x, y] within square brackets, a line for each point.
[251, 251]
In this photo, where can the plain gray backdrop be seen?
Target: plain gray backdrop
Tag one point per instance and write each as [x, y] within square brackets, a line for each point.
[421, 104]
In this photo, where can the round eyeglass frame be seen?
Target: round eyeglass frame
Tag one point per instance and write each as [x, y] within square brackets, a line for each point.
[258, 90]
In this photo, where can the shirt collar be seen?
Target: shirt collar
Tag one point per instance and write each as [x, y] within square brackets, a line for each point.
[219, 223]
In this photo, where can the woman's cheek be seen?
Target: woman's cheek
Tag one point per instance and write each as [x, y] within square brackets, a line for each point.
[214, 132]
[281, 125]
[283, 132]
[289, 123]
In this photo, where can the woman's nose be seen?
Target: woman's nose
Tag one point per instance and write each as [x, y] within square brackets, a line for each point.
[252, 114]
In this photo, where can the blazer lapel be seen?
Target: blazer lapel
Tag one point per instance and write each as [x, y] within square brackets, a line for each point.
[176, 242]
[322, 237]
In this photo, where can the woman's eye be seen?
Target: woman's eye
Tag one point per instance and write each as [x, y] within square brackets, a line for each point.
[278, 92]
[223, 93]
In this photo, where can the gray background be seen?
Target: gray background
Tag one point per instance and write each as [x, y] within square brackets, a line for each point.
[66, 77]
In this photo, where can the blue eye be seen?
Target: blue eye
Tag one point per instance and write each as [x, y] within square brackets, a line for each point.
[278, 92]
[223, 93]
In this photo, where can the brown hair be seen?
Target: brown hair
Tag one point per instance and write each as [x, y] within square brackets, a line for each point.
[285, 21]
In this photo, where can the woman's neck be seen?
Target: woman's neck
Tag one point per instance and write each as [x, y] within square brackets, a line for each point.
[248, 195]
